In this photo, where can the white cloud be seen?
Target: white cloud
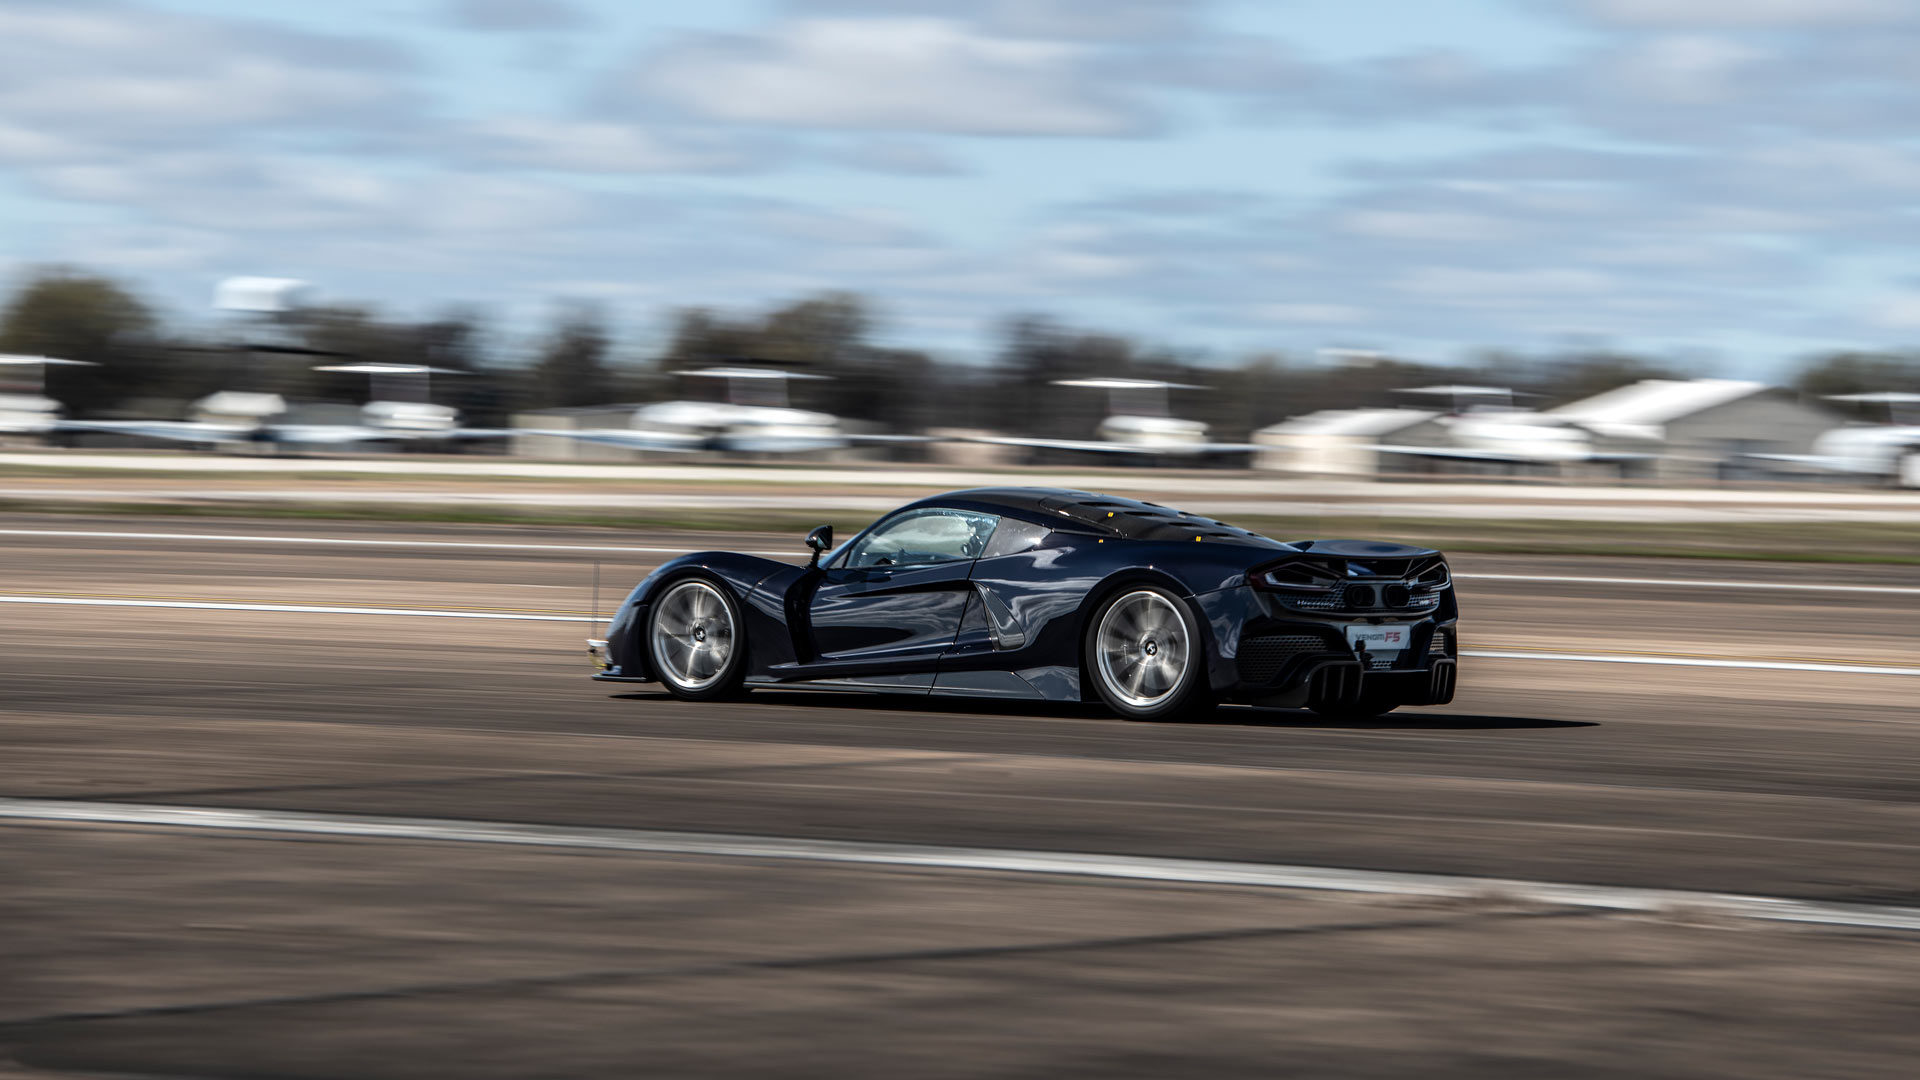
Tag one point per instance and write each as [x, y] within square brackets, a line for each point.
[854, 227]
[89, 71]
[1082, 20]
[1752, 13]
[1315, 314]
[1824, 162]
[516, 16]
[1087, 264]
[1441, 227]
[597, 147]
[245, 193]
[1496, 288]
[891, 74]
[1656, 255]
[901, 157]
[1688, 69]
[1197, 203]
[1734, 220]
[455, 204]
[25, 145]
[145, 247]
[1900, 311]
[90, 182]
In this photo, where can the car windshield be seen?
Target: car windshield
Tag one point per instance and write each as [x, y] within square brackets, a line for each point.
[924, 536]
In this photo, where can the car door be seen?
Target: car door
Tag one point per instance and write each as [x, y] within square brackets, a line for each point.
[893, 602]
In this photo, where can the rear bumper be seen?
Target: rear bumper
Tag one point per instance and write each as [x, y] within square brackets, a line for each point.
[1298, 663]
[1432, 686]
[1329, 682]
[1287, 658]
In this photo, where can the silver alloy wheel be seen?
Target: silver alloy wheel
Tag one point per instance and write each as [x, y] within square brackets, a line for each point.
[692, 632]
[1141, 648]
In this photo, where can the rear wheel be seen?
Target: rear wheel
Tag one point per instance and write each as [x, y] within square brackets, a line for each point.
[1146, 657]
[695, 641]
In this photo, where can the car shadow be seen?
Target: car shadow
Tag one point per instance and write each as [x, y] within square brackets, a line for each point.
[1410, 720]
[887, 702]
[1225, 716]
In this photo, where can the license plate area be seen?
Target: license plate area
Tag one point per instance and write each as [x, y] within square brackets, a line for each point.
[1385, 640]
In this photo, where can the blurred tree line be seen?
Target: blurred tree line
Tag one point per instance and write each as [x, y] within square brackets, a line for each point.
[148, 368]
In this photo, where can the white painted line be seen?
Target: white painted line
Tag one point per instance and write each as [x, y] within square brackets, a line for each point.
[343, 541]
[487, 545]
[1685, 583]
[301, 609]
[1002, 860]
[1693, 661]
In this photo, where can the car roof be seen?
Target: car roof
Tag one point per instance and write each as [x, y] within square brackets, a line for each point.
[1104, 515]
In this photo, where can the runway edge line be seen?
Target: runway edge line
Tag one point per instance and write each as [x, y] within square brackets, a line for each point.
[1001, 860]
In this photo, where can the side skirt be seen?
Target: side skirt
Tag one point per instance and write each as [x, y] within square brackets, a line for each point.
[1003, 685]
[869, 684]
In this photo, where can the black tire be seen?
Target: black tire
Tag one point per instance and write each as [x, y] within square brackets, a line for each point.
[695, 640]
[1144, 652]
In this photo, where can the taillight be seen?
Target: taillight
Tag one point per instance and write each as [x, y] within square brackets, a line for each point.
[1294, 576]
[1434, 576]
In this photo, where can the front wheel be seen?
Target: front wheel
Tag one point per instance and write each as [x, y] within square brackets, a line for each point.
[696, 642]
[1146, 657]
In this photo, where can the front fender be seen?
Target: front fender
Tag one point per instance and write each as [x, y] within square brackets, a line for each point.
[743, 575]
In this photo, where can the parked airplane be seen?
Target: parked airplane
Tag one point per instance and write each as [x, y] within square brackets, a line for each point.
[1889, 451]
[397, 413]
[1140, 423]
[25, 408]
[754, 418]
[1482, 431]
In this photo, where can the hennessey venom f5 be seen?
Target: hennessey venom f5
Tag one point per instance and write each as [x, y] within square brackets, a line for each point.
[1055, 595]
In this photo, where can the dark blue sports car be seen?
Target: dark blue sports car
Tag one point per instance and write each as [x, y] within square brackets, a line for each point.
[1054, 595]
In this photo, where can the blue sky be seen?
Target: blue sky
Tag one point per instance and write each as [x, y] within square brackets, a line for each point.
[1728, 182]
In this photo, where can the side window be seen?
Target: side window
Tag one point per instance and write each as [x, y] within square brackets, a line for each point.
[1013, 537]
[924, 537]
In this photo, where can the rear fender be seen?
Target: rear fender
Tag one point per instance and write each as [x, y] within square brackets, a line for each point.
[1220, 674]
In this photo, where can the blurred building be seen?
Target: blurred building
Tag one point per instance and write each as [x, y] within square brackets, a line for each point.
[1699, 426]
[1344, 441]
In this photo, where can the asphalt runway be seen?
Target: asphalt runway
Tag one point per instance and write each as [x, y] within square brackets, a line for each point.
[169, 950]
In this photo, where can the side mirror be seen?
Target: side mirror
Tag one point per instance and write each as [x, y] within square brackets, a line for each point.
[819, 540]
